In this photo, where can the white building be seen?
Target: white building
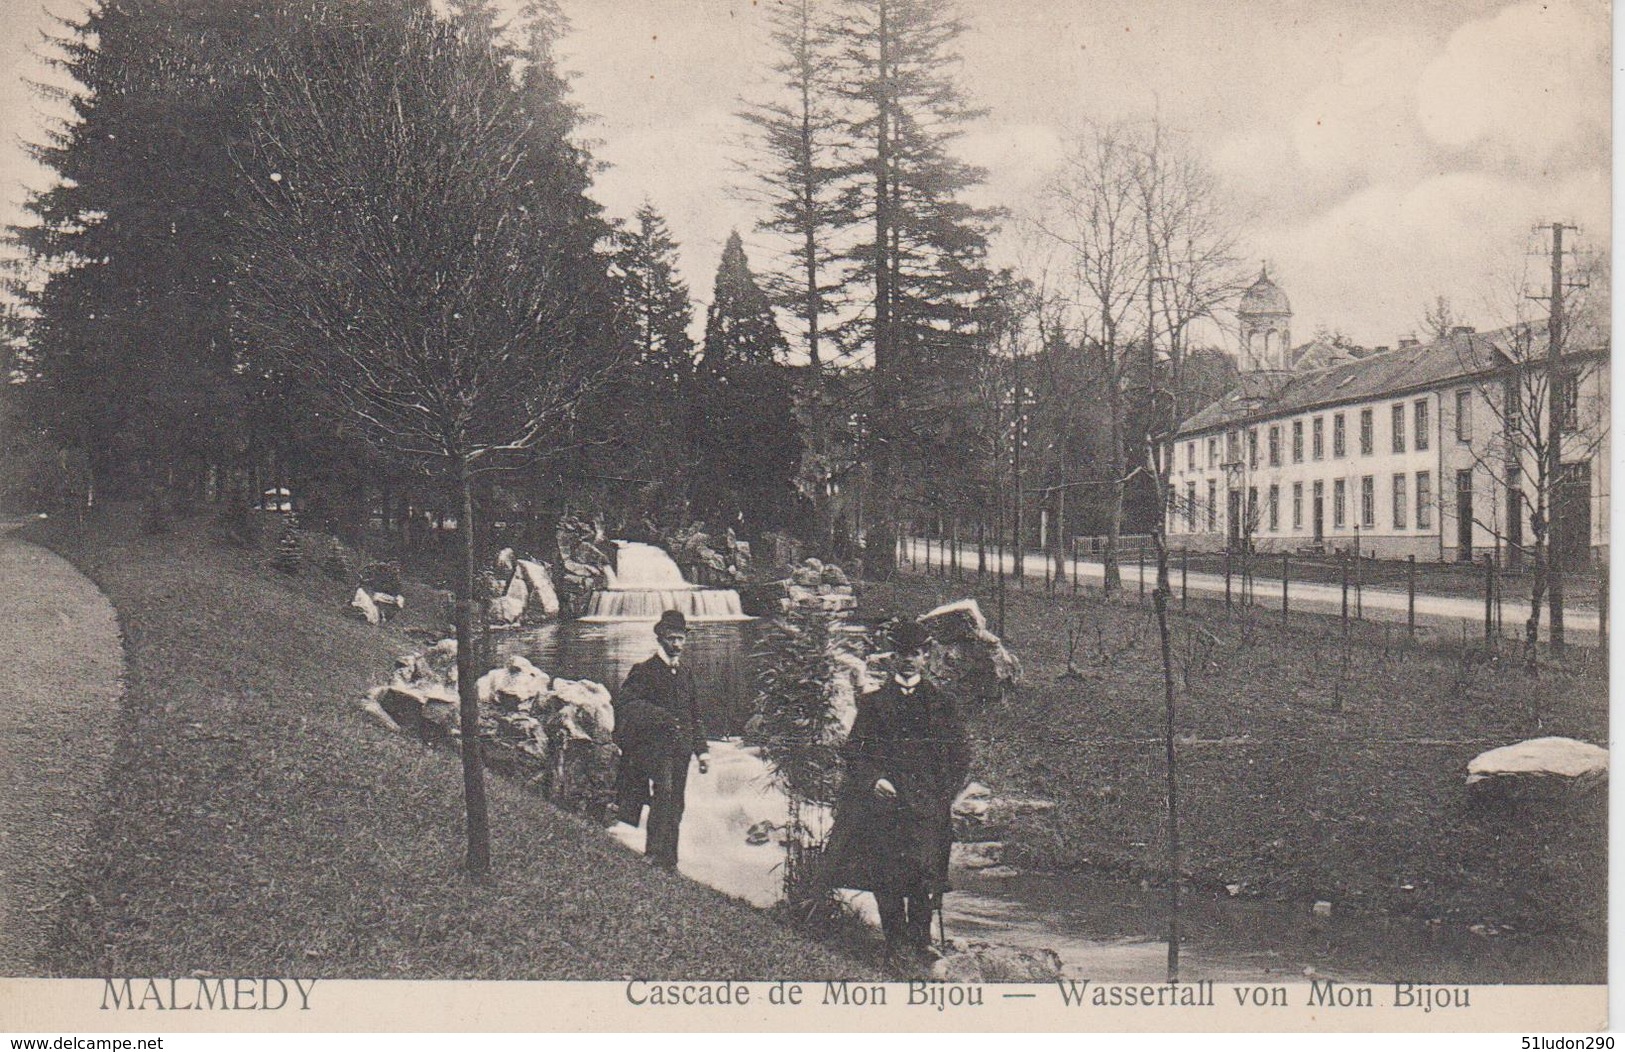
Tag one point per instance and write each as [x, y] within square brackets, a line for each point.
[1393, 452]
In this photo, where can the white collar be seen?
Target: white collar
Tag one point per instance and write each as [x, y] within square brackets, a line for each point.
[907, 684]
[660, 652]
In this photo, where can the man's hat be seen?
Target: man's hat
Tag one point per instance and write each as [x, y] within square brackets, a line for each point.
[908, 636]
[671, 621]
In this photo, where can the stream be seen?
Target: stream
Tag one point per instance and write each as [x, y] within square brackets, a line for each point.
[1103, 928]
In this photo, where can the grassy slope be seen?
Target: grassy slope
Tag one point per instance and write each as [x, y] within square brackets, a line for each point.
[1287, 795]
[255, 823]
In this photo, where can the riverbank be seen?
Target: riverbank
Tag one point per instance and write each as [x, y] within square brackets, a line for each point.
[254, 823]
[1309, 770]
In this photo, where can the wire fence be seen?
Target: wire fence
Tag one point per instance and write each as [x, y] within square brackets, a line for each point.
[1485, 595]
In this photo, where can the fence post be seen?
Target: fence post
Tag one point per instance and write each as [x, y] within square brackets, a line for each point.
[1139, 555]
[1074, 566]
[1286, 576]
[1227, 580]
[1343, 565]
[1410, 596]
[1359, 586]
[1489, 598]
[1602, 611]
[1184, 578]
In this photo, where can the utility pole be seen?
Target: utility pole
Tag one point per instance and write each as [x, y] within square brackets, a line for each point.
[1555, 398]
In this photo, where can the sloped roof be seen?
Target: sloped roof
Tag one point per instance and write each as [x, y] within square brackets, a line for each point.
[1462, 354]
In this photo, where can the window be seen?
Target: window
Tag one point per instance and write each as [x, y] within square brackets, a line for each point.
[1568, 400]
[1212, 505]
[1251, 521]
[1275, 508]
[1399, 427]
[1402, 515]
[1232, 447]
[1422, 428]
[1190, 506]
[1297, 505]
[1318, 442]
[1368, 501]
[1297, 441]
[1339, 503]
[1213, 452]
[1275, 445]
[1190, 456]
[1340, 446]
[1424, 500]
[1367, 433]
[1252, 448]
[1464, 415]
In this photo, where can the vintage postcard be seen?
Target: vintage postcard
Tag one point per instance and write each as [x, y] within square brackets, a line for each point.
[805, 515]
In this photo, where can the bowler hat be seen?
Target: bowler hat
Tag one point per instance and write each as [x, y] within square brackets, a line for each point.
[671, 621]
[909, 636]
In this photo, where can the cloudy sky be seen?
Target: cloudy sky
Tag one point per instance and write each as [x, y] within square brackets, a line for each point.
[1377, 151]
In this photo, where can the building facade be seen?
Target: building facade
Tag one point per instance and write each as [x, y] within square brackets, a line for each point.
[1420, 450]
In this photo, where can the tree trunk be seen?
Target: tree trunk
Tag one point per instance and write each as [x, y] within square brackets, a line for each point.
[1112, 581]
[478, 860]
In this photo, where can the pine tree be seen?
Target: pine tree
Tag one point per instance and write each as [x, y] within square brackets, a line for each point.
[923, 254]
[649, 412]
[746, 437]
[798, 137]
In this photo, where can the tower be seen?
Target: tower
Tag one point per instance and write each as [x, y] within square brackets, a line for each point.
[1265, 319]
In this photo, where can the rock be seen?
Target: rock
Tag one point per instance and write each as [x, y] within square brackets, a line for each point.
[506, 611]
[544, 598]
[982, 854]
[835, 576]
[516, 685]
[807, 577]
[1005, 807]
[362, 602]
[1539, 767]
[1322, 909]
[505, 561]
[980, 962]
[585, 710]
[760, 833]
[955, 622]
[973, 801]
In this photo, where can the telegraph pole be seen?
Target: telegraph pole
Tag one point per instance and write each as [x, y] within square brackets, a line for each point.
[1555, 399]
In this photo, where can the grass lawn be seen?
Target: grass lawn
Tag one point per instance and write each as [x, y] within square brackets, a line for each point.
[1308, 770]
[255, 823]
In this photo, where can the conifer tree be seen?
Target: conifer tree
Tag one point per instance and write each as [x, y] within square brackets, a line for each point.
[921, 258]
[745, 436]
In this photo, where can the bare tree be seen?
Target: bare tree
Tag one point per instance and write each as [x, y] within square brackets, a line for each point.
[1091, 210]
[398, 254]
[1544, 387]
[1439, 318]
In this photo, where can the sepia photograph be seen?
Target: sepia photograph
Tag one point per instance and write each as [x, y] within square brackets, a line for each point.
[747, 515]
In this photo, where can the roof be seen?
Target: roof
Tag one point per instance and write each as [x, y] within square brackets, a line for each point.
[1264, 297]
[1262, 395]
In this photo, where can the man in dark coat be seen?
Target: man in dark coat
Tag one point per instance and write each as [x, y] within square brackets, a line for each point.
[658, 727]
[905, 761]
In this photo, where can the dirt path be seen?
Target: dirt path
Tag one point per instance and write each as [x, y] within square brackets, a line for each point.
[58, 711]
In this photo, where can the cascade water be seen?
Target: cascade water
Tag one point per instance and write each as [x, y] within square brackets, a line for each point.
[645, 583]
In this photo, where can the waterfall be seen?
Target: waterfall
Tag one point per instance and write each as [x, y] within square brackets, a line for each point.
[645, 583]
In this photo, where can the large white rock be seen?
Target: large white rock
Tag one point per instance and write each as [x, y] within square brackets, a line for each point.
[1540, 758]
[369, 609]
[543, 596]
[518, 679]
[587, 712]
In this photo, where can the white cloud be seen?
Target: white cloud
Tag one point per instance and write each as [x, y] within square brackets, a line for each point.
[1364, 118]
[1523, 86]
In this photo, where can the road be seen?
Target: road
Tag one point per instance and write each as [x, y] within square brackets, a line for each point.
[1439, 611]
[59, 710]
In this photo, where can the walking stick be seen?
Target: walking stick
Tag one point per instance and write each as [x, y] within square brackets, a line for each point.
[942, 926]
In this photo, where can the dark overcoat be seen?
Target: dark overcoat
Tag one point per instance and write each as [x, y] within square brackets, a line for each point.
[658, 709]
[899, 845]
